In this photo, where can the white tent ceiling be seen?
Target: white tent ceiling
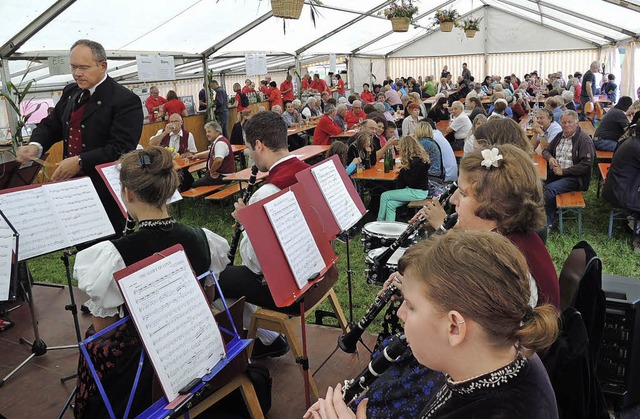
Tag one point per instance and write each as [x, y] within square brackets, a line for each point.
[224, 30]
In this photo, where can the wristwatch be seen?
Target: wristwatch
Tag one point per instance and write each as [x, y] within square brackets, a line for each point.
[79, 161]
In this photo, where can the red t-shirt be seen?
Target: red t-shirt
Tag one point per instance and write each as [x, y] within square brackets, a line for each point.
[246, 90]
[239, 108]
[151, 103]
[174, 106]
[324, 130]
[341, 87]
[305, 83]
[367, 96]
[287, 85]
[319, 85]
[275, 98]
[351, 119]
[266, 90]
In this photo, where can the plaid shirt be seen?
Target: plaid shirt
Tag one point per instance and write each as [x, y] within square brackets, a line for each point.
[564, 152]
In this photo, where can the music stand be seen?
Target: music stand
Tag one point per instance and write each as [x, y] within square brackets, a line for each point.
[325, 212]
[38, 346]
[19, 174]
[12, 267]
[275, 266]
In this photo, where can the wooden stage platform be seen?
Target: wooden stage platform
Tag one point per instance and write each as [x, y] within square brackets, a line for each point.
[35, 391]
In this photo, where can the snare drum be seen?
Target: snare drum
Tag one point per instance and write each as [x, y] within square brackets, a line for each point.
[380, 275]
[383, 233]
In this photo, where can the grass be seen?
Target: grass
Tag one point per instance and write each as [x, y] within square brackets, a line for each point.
[616, 253]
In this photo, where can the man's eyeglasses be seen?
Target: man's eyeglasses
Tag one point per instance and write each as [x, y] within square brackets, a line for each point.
[81, 68]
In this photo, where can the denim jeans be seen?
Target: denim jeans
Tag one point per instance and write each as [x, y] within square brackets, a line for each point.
[557, 187]
[604, 144]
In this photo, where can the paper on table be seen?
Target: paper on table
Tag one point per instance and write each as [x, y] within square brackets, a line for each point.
[295, 238]
[174, 321]
[342, 206]
[34, 217]
[6, 252]
[80, 210]
[112, 176]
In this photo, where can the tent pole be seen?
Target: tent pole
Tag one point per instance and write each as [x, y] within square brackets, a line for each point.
[484, 42]
[5, 76]
[298, 75]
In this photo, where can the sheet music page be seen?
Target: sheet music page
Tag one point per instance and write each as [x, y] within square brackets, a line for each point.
[34, 217]
[80, 210]
[6, 251]
[295, 238]
[342, 206]
[174, 321]
[112, 175]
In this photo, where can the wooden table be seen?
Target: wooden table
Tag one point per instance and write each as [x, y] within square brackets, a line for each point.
[442, 125]
[297, 130]
[345, 135]
[541, 165]
[303, 153]
[376, 173]
[184, 162]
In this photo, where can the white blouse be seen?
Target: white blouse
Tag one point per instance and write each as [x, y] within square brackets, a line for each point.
[95, 266]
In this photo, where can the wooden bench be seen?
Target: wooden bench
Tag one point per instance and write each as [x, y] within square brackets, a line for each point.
[604, 155]
[604, 169]
[587, 127]
[201, 191]
[569, 202]
[198, 167]
[227, 192]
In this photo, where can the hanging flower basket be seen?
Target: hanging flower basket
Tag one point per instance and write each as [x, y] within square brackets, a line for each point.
[400, 24]
[287, 9]
[470, 33]
[446, 26]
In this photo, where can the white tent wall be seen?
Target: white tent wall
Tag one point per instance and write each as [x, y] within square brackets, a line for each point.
[630, 73]
[366, 70]
[432, 66]
[505, 33]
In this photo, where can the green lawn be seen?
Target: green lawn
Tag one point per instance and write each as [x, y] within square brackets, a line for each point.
[616, 253]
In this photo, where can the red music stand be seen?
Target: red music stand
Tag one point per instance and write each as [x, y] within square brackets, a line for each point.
[275, 267]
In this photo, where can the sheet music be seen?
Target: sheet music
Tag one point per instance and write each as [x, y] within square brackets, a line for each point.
[174, 321]
[80, 210]
[295, 238]
[335, 192]
[112, 176]
[6, 252]
[34, 217]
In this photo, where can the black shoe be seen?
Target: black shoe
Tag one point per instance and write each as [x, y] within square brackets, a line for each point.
[85, 309]
[278, 348]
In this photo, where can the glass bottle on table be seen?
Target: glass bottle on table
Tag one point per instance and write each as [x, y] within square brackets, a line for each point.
[367, 160]
[387, 160]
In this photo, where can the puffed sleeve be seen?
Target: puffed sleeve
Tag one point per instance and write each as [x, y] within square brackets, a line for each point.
[219, 250]
[94, 269]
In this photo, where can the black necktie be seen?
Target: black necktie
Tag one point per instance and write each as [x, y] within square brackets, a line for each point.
[83, 97]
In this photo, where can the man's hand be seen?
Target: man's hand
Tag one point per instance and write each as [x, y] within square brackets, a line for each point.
[557, 170]
[553, 162]
[67, 169]
[238, 206]
[27, 153]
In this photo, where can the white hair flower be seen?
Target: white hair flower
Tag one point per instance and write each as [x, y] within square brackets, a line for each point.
[491, 157]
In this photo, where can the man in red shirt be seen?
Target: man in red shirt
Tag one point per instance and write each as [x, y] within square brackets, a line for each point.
[286, 88]
[275, 97]
[340, 84]
[366, 94]
[318, 84]
[326, 127]
[154, 103]
[264, 88]
[356, 115]
[306, 81]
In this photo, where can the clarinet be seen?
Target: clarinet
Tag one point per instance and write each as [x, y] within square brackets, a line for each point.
[378, 365]
[347, 341]
[129, 225]
[238, 231]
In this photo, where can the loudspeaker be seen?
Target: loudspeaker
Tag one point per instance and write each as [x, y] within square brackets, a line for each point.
[619, 361]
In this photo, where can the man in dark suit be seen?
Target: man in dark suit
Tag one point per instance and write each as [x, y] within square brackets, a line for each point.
[97, 119]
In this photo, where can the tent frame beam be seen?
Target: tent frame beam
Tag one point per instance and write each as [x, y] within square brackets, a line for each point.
[343, 27]
[226, 41]
[555, 19]
[625, 4]
[12, 45]
[384, 35]
[583, 17]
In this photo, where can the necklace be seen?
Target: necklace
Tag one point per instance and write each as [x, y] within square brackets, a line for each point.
[165, 222]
